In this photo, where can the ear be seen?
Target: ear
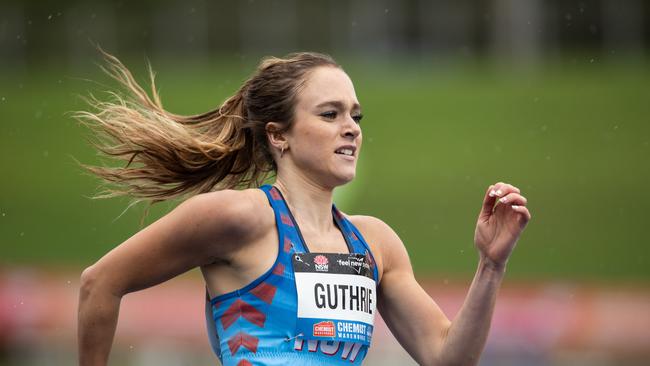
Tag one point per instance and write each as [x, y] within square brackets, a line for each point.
[275, 134]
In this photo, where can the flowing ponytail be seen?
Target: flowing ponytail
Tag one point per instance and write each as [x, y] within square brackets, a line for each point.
[171, 156]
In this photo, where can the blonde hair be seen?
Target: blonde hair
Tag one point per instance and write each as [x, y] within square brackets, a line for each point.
[168, 156]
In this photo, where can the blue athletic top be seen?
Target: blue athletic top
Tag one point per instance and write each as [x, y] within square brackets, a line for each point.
[307, 309]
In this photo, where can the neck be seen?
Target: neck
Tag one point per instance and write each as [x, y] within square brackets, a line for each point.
[310, 203]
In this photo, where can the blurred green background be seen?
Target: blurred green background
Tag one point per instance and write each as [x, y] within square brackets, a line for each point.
[573, 135]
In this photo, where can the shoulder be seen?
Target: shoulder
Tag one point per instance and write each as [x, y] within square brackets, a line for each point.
[387, 247]
[237, 214]
[370, 225]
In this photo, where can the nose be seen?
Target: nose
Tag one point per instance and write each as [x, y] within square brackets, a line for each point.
[351, 128]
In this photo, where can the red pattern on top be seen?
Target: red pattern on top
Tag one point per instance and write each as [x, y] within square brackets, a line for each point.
[265, 292]
[242, 339]
[286, 220]
[275, 195]
[241, 308]
[279, 269]
[287, 245]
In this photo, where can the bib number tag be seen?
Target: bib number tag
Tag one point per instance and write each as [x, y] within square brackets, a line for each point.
[337, 297]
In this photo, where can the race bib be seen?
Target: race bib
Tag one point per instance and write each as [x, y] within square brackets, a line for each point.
[337, 297]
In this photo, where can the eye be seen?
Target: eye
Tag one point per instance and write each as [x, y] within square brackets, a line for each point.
[329, 115]
[357, 118]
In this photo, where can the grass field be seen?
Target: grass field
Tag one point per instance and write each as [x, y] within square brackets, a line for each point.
[573, 135]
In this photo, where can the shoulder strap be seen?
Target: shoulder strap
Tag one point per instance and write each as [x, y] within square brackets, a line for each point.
[289, 236]
[359, 244]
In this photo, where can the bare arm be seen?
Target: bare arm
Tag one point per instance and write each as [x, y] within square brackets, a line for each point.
[416, 320]
[468, 332]
[201, 230]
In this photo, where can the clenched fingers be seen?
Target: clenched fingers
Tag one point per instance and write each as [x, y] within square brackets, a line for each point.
[524, 211]
[513, 199]
[500, 189]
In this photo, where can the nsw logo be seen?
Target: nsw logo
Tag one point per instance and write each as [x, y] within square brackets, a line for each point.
[321, 263]
[324, 329]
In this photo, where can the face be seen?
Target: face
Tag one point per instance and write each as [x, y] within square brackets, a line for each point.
[325, 138]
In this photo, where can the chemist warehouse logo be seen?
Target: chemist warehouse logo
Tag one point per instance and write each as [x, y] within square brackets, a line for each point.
[324, 329]
[321, 263]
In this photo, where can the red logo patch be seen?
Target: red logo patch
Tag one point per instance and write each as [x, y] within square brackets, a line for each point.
[321, 259]
[324, 329]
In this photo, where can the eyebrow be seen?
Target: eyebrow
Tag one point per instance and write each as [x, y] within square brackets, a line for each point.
[338, 104]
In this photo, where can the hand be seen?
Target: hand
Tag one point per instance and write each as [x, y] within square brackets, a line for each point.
[500, 223]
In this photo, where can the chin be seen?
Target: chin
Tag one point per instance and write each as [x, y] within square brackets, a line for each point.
[337, 176]
[336, 180]
[345, 179]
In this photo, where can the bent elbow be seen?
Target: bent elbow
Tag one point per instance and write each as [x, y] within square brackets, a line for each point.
[440, 354]
[87, 282]
[94, 281]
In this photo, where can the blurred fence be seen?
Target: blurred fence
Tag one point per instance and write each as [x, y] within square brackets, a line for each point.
[534, 323]
[36, 33]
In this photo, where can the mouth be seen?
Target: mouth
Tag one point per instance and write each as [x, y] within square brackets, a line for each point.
[347, 150]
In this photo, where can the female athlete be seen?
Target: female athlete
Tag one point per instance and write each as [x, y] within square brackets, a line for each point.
[290, 279]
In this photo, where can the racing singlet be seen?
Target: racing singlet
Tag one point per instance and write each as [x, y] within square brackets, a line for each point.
[307, 309]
